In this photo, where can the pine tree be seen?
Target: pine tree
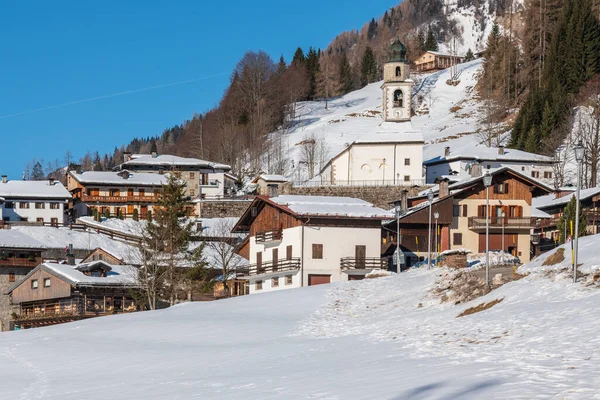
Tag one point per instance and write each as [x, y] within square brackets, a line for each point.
[345, 75]
[469, 56]
[37, 173]
[312, 66]
[153, 148]
[421, 41]
[431, 43]
[548, 121]
[568, 217]
[97, 163]
[136, 215]
[372, 31]
[298, 57]
[531, 144]
[281, 66]
[368, 67]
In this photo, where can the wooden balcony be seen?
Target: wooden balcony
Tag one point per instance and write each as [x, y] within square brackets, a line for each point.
[272, 267]
[20, 262]
[363, 263]
[269, 236]
[118, 199]
[509, 223]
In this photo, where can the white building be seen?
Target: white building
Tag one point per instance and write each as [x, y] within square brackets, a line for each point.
[455, 164]
[204, 179]
[33, 201]
[297, 241]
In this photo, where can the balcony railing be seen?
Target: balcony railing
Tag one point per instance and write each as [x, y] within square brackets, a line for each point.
[119, 199]
[363, 263]
[20, 262]
[271, 267]
[497, 222]
[269, 236]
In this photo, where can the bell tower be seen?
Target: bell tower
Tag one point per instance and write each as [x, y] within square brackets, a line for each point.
[397, 86]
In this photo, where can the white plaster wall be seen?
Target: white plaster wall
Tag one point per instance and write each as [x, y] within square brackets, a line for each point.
[32, 213]
[367, 162]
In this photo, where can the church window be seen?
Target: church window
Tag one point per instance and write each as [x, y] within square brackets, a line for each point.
[398, 71]
[398, 98]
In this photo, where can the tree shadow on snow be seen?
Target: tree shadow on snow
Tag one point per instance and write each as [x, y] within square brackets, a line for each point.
[469, 392]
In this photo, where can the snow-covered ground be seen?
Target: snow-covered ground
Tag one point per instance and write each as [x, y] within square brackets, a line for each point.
[447, 116]
[385, 338]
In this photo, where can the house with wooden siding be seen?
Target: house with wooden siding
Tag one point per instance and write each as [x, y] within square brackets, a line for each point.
[56, 293]
[434, 60]
[19, 254]
[462, 210]
[297, 241]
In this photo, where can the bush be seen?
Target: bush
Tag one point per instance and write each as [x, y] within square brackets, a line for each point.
[149, 216]
[106, 213]
[136, 216]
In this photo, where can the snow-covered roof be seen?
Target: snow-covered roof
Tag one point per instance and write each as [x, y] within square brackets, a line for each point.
[270, 178]
[439, 53]
[168, 160]
[537, 213]
[116, 178]
[118, 275]
[331, 206]
[550, 201]
[393, 132]
[13, 239]
[33, 190]
[485, 153]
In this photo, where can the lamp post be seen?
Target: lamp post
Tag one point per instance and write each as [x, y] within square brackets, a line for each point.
[430, 198]
[487, 182]
[436, 215]
[502, 215]
[579, 154]
[398, 207]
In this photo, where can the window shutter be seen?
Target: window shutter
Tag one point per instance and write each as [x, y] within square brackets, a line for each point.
[506, 188]
[457, 238]
[464, 210]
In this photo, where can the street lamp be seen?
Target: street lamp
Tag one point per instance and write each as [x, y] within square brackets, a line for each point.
[398, 207]
[436, 215]
[487, 182]
[430, 198]
[579, 154]
[502, 215]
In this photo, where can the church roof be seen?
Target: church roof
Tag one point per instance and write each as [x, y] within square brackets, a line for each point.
[397, 52]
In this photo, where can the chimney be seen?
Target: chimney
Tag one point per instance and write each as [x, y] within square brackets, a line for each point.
[447, 151]
[3, 178]
[500, 150]
[154, 154]
[443, 188]
[70, 255]
[476, 170]
[51, 181]
[404, 199]
[126, 156]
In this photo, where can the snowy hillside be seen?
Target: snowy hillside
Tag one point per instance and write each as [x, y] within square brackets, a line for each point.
[386, 338]
[447, 116]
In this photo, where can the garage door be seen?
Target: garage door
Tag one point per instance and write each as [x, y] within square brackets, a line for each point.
[510, 242]
[318, 279]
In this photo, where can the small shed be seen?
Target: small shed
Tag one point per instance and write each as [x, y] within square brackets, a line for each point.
[270, 185]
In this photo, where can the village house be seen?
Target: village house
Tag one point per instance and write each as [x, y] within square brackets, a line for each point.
[455, 164]
[433, 60]
[462, 215]
[269, 185]
[19, 254]
[203, 179]
[56, 293]
[33, 201]
[297, 241]
[116, 193]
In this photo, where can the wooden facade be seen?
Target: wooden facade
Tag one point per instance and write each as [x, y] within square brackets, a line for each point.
[99, 254]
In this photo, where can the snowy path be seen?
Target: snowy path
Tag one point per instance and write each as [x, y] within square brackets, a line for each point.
[359, 340]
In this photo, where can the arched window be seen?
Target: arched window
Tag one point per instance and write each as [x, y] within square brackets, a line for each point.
[398, 99]
[398, 71]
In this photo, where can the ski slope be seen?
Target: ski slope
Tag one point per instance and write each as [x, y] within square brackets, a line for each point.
[385, 338]
[446, 115]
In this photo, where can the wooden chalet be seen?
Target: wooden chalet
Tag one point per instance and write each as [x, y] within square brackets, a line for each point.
[56, 293]
[100, 254]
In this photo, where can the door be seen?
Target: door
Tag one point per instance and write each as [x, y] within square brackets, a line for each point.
[144, 212]
[275, 258]
[129, 209]
[360, 252]
[314, 279]
[94, 192]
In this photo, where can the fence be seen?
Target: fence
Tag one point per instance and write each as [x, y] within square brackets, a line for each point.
[360, 183]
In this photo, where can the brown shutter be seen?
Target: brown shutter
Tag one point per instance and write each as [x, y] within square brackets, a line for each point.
[464, 210]
[288, 252]
[259, 259]
[317, 251]
[275, 256]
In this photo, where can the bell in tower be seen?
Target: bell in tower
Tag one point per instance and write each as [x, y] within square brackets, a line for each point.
[397, 85]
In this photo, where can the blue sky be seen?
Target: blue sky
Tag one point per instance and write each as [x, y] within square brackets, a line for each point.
[54, 53]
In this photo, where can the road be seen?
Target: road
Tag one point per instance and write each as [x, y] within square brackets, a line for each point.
[505, 271]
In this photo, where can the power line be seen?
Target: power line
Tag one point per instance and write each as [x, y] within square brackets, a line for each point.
[108, 96]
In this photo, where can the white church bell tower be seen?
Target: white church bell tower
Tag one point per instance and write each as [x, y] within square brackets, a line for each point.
[397, 86]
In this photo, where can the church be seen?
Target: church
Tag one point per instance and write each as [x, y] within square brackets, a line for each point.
[393, 154]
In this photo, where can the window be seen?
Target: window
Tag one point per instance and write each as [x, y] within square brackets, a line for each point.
[23, 204]
[457, 238]
[288, 280]
[535, 174]
[46, 282]
[407, 161]
[9, 204]
[40, 205]
[54, 221]
[39, 219]
[406, 178]
[258, 285]
[141, 192]
[11, 277]
[6, 219]
[548, 175]
[23, 219]
[522, 168]
[398, 71]
[501, 188]
[114, 192]
[55, 206]
[398, 99]
[317, 251]
[464, 214]
[275, 282]
[34, 283]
